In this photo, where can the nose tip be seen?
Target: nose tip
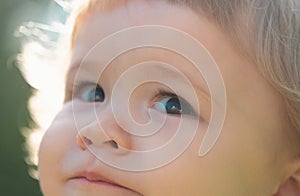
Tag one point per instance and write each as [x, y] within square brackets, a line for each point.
[105, 131]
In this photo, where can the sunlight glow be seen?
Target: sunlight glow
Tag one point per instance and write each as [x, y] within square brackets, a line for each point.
[47, 77]
[44, 61]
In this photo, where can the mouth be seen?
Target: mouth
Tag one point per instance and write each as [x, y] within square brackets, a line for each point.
[92, 180]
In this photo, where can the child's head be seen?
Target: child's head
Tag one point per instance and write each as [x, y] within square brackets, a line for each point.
[93, 139]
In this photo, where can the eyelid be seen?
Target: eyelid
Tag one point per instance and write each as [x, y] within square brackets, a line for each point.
[80, 86]
[162, 93]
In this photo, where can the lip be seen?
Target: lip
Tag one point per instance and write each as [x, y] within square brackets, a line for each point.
[87, 178]
[93, 177]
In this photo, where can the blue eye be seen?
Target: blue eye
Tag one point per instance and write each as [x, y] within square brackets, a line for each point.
[93, 93]
[173, 105]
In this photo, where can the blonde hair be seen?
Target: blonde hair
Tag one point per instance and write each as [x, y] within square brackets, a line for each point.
[267, 32]
[274, 28]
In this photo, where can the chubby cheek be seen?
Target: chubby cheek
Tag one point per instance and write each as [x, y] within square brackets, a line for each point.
[56, 143]
[186, 174]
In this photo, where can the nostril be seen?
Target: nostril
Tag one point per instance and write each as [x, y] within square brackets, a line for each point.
[113, 144]
[83, 142]
[87, 141]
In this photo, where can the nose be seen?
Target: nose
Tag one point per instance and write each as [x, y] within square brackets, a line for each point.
[105, 131]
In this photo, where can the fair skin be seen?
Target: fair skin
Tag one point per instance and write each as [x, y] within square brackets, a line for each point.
[254, 155]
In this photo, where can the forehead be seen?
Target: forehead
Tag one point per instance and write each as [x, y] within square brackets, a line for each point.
[98, 24]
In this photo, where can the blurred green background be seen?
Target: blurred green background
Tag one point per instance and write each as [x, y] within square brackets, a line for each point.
[14, 178]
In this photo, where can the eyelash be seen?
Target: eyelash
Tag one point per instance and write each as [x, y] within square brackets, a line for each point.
[186, 108]
[78, 89]
[159, 95]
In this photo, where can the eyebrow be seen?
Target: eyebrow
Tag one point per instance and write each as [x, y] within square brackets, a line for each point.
[196, 84]
[73, 68]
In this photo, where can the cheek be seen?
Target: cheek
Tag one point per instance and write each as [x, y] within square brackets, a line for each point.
[56, 143]
[186, 174]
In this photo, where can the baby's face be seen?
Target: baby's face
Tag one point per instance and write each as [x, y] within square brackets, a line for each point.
[117, 114]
